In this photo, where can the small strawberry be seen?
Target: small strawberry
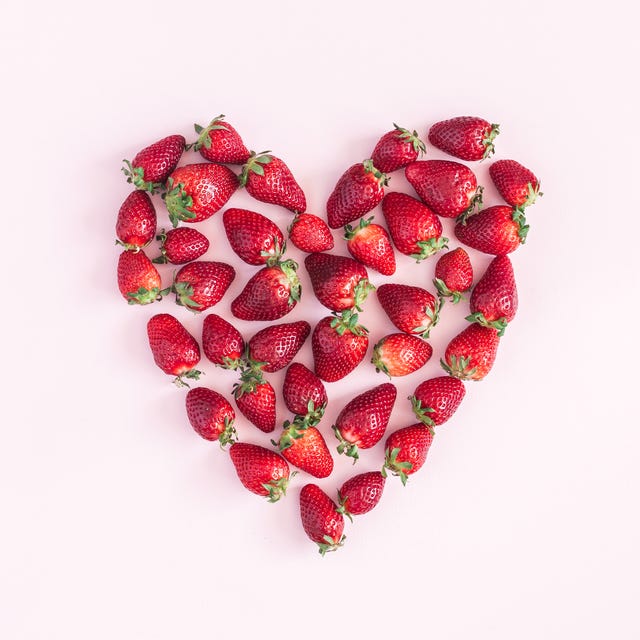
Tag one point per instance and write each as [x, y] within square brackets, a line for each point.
[253, 236]
[181, 245]
[435, 400]
[363, 421]
[174, 349]
[497, 230]
[415, 229]
[454, 275]
[310, 233]
[360, 494]
[196, 191]
[406, 451]
[396, 149]
[256, 399]
[465, 137]
[411, 309]
[138, 280]
[303, 446]
[211, 415]
[359, 190]
[260, 470]
[275, 346]
[220, 142]
[471, 354]
[152, 166]
[200, 285]
[370, 244]
[321, 520]
[304, 394]
[136, 223]
[518, 186]
[222, 343]
[399, 354]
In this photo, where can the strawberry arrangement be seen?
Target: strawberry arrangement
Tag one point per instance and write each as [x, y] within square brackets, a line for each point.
[192, 189]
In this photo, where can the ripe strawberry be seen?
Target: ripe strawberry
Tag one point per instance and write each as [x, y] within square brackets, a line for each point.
[196, 191]
[136, 223]
[303, 446]
[360, 494]
[220, 142]
[399, 354]
[465, 137]
[304, 394]
[200, 285]
[497, 230]
[517, 185]
[174, 349]
[471, 354]
[260, 470]
[435, 400]
[211, 415]
[363, 421]
[151, 166]
[252, 236]
[339, 345]
[181, 245]
[339, 283]
[415, 229]
[256, 399]
[359, 189]
[310, 233]
[494, 300]
[275, 346]
[268, 179]
[270, 294]
[454, 274]
[370, 244]
[411, 309]
[320, 518]
[222, 343]
[138, 279]
[406, 451]
[396, 149]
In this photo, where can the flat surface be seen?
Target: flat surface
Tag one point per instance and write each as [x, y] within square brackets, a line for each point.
[119, 522]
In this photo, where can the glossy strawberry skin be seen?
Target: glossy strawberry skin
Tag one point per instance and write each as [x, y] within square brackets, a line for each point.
[498, 230]
[435, 400]
[406, 450]
[310, 233]
[465, 137]
[399, 354]
[370, 244]
[210, 415]
[305, 448]
[361, 493]
[152, 166]
[222, 343]
[453, 274]
[200, 285]
[253, 237]
[174, 349]
[138, 279]
[136, 224]
[471, 354]
[181, 245]
[517, 185]
[411, 309]
[277, 345]
[321, 520]
[260, 470]
[300, 388]
[220, 142]
[397, 149]
[256, 400]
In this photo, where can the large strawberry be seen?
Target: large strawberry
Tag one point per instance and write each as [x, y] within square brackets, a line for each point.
[411, 309]
[360, 493]
[453, 274]
[220, 142]
[200, 285]
[370, 244]
[517, 185]
[222, 343]
[310, 233]
[181, 245]
[471, 354]
[321, 520]
[396, 149]
[497, 230]
[303, 392]
[303, 446]
[136, 224]
[435, 400]
[138, 279]
[256, 399]
[152, 166]
[260, 470]
[465, 137]
[253, 236]
[406, 451]
[399, 354]
[275, 346]
[211, 415]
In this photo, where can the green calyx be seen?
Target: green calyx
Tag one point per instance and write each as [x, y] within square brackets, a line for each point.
[146, 296]
[342, 508]
[360, 292]
[192, 374]
[184, 296]
[273, 257]
[348, 321]
[135, 176]
[422, 413]
[500, 324]
[459, 367]
[134, 248]
[381, 178]
[292, 431]
[411, 136]
[250, 379]
[397, 468]
[433, 316]
[204, 140]
[377, 360]
[350, 232]
[429, 247]
[445, 292]
[488, 141]
[290, 268]
[532, 194]
[255, 164]
[330, 544]
[162, 258]
[475, 204]
[523, 228]
[314, 414]
[276, 488]
[345, 447]
[178, 202]
[228, 435]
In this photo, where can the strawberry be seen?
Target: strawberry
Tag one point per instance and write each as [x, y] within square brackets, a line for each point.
[253, 236]
[181, 245]
[174, 349]
[256, 399]
[304, 447]
[358, 191]
[363, 421]
[196, 191]
[339, 283]
[138, 279]
[411, 309]
[494, 300]
[517, 185]
[260, 470]
[211, 415]
[396, 149]
[268, 179]
[310, 233]
[406, 451]
[339, 345]
[370, 244]
[222, 343]
[497, 230]
[136, 223]
[275, 346]
[447, 188]
[220, 142]
[399, 354]
[454, 275]
[304, 394]
[200, 285]
[269, 294]
[321, 520]
[415, 229]
[465, 137]
[471, 354]
[360, 494]
[435, 400]
[152, 166]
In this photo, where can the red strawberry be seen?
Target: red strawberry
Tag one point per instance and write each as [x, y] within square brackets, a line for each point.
[152, 166]
[471, 354]
[174, 349]
[220, 142]
[136, 223]
[518, 186]
[320, 519]
[200, 285]
[412, 309]
[363, 421]
[196, 191]
[260, 470]
[304, 394]
[406, 451]
[275, 346]
[211, 415]
[370, 244]
[304, 447]
[396, 149]
[310, 233]
[361, 493]
[222, 343]
[256, 399]
[339, 283]
[181, 245]
[138, 279]
[399, 354]
[435, 400]
[339, 345]
[253, 236]
[268, 179]
[497, 230]
[415, 229]
[358, 191]
[465, 137]
[454, 274]
[270, 294]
